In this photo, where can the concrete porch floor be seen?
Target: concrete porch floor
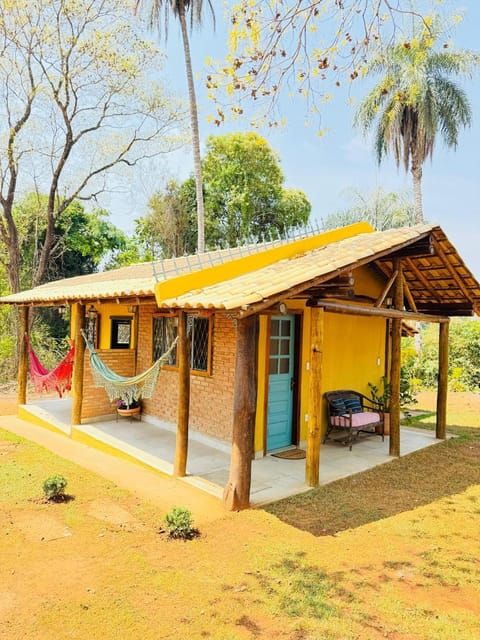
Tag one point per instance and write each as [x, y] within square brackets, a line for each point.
[152, 443]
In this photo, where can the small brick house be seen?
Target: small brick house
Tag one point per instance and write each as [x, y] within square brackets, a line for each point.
[263, 332]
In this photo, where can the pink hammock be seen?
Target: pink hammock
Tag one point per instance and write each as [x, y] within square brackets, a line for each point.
[59, 379]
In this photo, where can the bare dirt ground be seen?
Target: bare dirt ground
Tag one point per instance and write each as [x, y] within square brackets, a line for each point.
[97, 566]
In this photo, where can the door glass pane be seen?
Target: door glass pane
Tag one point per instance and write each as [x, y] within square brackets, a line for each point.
[273, 346]
[274, 327]
[284, 365]
[285, 327]
[284, 347]
[273, 368]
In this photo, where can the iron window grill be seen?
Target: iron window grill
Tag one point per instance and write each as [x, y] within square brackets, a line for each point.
[165, 331]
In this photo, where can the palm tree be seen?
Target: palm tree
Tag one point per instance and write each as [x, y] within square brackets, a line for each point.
[414, 101]
[159, 11]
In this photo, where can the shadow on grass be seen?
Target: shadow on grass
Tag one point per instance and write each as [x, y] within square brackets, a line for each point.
[413, 480]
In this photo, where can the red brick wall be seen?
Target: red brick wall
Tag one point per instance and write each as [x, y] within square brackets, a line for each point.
[211, 397]
[95, 400]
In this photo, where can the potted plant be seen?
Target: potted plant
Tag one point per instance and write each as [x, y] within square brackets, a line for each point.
[126, 408]
[383, 399]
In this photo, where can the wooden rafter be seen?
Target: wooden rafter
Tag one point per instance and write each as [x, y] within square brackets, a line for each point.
[419, 275]
[451, 270]
[408, 295]
[386, 289]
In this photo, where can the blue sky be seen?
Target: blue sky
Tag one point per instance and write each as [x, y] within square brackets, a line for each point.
[325, 168]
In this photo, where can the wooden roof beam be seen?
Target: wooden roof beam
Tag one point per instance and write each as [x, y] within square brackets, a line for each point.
[422, 247]
[356, 310]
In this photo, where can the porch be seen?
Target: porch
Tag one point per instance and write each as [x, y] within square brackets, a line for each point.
[151, 443]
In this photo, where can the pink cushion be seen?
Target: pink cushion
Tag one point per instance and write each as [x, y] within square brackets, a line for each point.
[359, 420]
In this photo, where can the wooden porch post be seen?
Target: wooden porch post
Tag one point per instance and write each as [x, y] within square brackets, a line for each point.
[78, 364]
[236, 494]
[181, 441]
[312, 466]
[441, 426]
[23, 357]
[396, 363]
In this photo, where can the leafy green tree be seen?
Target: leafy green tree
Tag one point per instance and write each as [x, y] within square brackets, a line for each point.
[159, 11]
[244, 193]
[82, 240]
[417, 99]
[464, 356]
[383, 210]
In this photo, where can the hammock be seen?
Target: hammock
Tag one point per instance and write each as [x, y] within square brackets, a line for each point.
[59, 379]
[126, 389]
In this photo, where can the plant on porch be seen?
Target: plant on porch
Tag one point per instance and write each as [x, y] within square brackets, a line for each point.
[383, 399]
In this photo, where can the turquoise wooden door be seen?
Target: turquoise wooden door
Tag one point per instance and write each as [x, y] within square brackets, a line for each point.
[280, 382]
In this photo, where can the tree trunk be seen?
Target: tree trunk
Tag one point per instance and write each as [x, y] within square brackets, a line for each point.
[442, 390]
[181, 441]
[23, 355]
[312, 465]
[197, 163]
[78, 365]
[417, 191]
[396, 364]
[237, 492]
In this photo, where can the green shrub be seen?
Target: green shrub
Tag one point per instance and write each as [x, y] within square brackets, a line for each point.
[54, 487]
[179, 524]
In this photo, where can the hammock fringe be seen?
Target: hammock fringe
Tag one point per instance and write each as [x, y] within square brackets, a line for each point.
[126, 389]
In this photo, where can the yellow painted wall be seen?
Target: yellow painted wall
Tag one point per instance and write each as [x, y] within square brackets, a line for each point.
[105, 311]
[353, 353]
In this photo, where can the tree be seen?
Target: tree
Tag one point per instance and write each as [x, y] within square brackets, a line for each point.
[415, 101]
[180, 9]
[244, 201]
[168, 229]
[383, 210]
[244, 194]
[75, 106]
[80, 239]
[300, 48]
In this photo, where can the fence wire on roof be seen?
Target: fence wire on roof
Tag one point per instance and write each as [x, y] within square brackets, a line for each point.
[171, 267]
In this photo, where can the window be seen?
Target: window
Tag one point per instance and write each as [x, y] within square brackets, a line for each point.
[121, 332]
[165, 331]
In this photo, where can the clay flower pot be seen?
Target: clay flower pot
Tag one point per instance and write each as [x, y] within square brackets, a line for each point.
[129, 412]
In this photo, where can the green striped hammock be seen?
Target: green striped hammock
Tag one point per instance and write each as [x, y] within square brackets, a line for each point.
[126, 389]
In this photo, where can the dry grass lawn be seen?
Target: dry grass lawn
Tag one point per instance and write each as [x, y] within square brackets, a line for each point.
[392, 553]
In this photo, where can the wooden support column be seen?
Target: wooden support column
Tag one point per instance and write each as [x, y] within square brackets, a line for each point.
[236, 494]
[442, 391]
[396, 363]
[183, 355]
[78, 364]
[23, 356]
[312, 466]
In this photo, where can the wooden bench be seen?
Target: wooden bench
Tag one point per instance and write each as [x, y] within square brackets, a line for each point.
[351, 413]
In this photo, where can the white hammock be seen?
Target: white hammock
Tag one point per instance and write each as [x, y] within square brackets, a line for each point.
[126, 389]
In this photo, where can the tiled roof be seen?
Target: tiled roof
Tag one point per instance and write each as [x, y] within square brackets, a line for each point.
[433, 280]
